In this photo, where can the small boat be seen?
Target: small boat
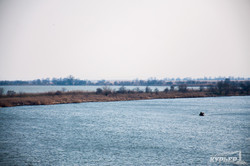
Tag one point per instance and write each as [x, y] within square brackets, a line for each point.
[201, 114]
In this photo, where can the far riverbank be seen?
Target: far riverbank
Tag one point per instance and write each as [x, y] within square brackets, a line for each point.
[58, 97]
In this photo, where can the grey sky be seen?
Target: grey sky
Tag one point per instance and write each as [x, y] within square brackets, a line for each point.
[124, 39]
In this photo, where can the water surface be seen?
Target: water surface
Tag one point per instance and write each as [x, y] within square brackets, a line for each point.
[146, 132]
[48, 88]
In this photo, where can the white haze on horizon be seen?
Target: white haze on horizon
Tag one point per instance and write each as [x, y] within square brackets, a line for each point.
[130, 39]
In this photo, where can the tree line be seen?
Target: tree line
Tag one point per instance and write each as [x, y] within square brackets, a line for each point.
[222, 88]
[70, 80]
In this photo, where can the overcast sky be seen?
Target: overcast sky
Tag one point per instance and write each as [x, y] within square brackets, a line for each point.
[124, 39]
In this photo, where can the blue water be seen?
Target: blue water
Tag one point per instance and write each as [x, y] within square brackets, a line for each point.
[42, 88]
[146, 132]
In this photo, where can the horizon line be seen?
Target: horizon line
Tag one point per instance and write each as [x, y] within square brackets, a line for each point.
[149, 78]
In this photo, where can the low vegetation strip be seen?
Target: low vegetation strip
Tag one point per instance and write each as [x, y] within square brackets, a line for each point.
[79, 97]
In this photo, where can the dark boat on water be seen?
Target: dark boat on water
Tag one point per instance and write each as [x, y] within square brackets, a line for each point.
[201, 114]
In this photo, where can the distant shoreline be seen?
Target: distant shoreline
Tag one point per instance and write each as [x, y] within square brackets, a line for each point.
[59, 97]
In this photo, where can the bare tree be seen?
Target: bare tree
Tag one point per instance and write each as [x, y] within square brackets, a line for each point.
[183, 88]
[156, 90]
[1, 91]
[148, 90]
[11, 93]
[107, 90]
[166, 90]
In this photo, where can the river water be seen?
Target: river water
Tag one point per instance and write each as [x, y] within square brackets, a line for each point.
[145, 132]
[42, 88]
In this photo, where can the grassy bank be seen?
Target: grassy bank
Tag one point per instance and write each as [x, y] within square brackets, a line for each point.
[79, 97]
